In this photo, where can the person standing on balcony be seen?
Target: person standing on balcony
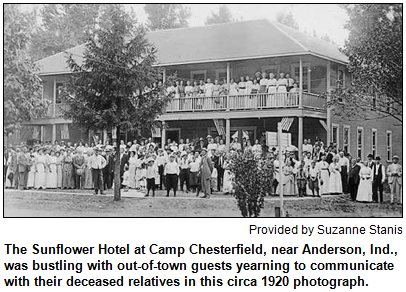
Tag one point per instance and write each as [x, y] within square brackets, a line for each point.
[233, 93]
[208, 92]
[272, 83]
[257, 77]
[263, 83]
[242, 87]
[290, 82]
[281, 88]
[248, 89]
[188, 95]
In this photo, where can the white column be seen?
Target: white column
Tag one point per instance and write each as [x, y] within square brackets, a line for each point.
[300, 83]
[163, 135]
[328, 88]
[54, 99]
[228, 86]
[280, 168]
[300, 136]
[164, 76]
[42, 133]
[228, 135]
[105, 136]
[53, 133]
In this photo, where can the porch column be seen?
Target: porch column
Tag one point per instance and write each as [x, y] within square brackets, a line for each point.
[163, 135]
[228, 86]
[54, 100]
[228, 135]
[300, 83]
[328, 88]
[42, 133]
[164, 76]
[300, 137]
[104, 136]
[53, 133]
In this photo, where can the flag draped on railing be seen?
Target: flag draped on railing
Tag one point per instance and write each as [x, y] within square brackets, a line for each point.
[219, 126]
[286, 123]
[65, 131]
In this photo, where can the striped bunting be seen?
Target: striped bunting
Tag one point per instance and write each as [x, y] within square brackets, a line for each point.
[286, 123]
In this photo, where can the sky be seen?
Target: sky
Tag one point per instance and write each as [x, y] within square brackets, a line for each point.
[324, 19]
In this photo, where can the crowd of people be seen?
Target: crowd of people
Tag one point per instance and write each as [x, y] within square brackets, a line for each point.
[253, 87]
[199, 166]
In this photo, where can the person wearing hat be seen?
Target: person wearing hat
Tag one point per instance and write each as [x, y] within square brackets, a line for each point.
[206, 169]
[370, 162]
[79, 164]
[171, 173]
[353, 178]
[151, 175]
[378, 178]
[108, 171]
[97, 163]
[394, 173]
[184, 172]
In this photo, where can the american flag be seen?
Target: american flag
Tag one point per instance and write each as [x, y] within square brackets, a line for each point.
[286, 123]
[219, 127]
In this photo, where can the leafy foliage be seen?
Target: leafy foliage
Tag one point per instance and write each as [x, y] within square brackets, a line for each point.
[287, 19]
[166, 16]
[223, 15]
[113, 86]
[252, 177]
[374, 49]
[22, 86]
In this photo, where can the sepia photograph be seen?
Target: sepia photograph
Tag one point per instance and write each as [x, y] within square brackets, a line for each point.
[202, 110]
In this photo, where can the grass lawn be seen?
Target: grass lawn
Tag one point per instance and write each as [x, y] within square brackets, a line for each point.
[73, 203]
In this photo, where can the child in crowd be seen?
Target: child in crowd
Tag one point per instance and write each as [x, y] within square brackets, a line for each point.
[126, 178]
[151, 174]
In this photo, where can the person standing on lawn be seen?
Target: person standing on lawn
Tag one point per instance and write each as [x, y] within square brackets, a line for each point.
[353, 179]
[206, 169]
[378, 178]
[171, 173]
[97, 163]
[395, 180]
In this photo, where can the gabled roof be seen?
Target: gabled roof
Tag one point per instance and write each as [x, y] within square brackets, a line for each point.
[222, 42]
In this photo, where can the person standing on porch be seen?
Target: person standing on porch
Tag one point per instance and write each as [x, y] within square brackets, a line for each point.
[345, 166]
[394, 173]
[97, 163]
[378, 178]
[206, 169]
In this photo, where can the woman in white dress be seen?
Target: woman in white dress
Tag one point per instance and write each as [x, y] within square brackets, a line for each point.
[40, 175]
[324, 175]
[272, 83]
[233, 93]
[52, 174]
[132, 162]
[335, 183]
[59, 158]
[281, 86]
[31, 173]
[288, 179]
[138, 171]
[364, 193]
[88, 171]
[228, 176]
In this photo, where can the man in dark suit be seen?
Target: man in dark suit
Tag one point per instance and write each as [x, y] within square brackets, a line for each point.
[378, 177]
[123, 161]
[370, 162]
[218, 161]
[330, 155]
[108, 170]
[353, 179]
[23, 166]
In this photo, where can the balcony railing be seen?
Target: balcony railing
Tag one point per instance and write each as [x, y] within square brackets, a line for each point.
[244, 102]
[232, 103]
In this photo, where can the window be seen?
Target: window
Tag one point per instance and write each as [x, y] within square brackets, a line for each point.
[341, 78]
[334, 134]
[198, 75]
[306, 75]
[374, 137]
[221, 74]
[389, 144]
[275, 69]
[346, 139]
[360, 142]
[58, 92]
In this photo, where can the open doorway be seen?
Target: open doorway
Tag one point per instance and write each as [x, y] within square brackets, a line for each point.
[173, 134]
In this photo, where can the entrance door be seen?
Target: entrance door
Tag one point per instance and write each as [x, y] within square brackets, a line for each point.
[173, 134]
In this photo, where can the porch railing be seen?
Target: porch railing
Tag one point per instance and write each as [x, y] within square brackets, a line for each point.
[241, 102]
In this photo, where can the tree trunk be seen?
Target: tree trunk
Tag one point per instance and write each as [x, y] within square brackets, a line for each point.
[117, 174]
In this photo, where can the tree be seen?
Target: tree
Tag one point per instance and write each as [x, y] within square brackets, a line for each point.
[166, 16]
[252, 178]
[374, 49]
[22, 86]
[223, 15]
[109, 90]
[287, 19]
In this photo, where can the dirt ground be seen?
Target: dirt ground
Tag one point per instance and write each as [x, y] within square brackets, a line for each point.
[71, 203]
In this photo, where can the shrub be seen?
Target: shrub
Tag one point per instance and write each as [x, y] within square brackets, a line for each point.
[252, 177]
